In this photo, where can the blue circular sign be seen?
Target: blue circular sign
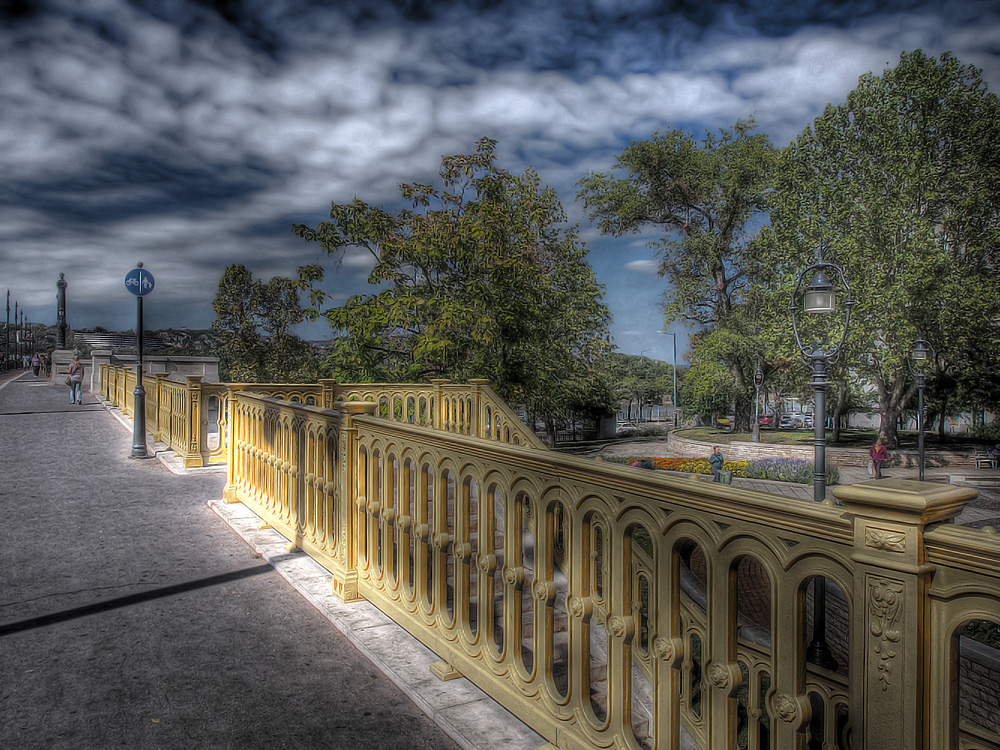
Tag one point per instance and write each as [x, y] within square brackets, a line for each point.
[139, 281]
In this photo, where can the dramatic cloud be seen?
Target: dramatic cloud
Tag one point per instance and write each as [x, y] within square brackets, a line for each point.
[192, 136]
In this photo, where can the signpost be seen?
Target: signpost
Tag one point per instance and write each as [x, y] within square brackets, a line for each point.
[140, 282]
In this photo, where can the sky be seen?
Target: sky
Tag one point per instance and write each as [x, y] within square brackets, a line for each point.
[193, 135]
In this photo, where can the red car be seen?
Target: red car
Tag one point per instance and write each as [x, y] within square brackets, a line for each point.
[766, 420]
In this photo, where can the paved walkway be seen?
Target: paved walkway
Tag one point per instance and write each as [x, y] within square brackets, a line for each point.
[131, 617]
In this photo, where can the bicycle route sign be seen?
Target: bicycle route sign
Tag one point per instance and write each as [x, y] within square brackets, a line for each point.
[139, 281]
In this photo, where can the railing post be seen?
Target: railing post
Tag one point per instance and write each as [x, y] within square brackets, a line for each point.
[329, 396]
[192, 445]
[477, 408]
[439, 402]
[162, 430]
[345, 567]
[890, 620]
[236, 433]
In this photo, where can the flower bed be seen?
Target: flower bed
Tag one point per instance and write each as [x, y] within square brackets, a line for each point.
[776, 469]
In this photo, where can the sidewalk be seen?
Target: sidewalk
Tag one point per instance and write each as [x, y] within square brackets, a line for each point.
[130, 617]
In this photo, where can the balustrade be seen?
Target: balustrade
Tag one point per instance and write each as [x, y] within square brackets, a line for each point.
[608, 606]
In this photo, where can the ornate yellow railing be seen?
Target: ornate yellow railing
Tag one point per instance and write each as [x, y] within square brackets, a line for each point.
[190, 416]
[606, 606]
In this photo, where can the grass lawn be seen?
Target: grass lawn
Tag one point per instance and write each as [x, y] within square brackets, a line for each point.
[848, 438]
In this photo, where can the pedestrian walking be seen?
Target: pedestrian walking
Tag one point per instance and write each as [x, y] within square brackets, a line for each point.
[716, 461]
[47, 364]
[75, 380]
[878, 455]
[36, 364]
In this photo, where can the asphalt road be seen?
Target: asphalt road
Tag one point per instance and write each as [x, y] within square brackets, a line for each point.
[132, 617]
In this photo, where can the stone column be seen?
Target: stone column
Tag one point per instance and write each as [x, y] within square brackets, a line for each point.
[329, 395]
[890, 649]
[98, 358]
[61, 327]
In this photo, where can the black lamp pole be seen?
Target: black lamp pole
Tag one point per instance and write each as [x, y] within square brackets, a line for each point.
[758, 381]
[139, 394]
[820, 298]
[917, 361]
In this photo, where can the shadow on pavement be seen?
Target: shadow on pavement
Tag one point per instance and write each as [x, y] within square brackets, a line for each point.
[52, 411]
[127, 601]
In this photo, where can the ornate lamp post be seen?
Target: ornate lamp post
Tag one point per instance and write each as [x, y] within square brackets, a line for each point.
[918, 361]
[758, 381]
[820, 298]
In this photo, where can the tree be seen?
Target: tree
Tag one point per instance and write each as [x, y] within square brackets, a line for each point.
[707, 198]
[254, 321]
[901, 186]
[478, 278]
[638, 380]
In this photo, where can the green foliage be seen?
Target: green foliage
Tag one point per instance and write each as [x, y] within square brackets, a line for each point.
[704, 196]
[476, 278]
[253, 322]
[638, 379]
[708, 198]
[987, 433]
[901, 185]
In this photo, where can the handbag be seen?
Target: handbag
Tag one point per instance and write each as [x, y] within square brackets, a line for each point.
[69, 380]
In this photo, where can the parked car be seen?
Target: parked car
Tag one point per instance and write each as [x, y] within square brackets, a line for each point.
[725, 422]
[791, 421]
[809, 420]
[765, 420]
[624, 427]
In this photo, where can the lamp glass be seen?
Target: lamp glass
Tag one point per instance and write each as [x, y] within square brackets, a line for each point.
[819, 296]
[819, 301]
[920, 351]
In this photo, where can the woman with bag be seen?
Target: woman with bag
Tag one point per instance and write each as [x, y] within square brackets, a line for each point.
[75, 381]
[878, 455]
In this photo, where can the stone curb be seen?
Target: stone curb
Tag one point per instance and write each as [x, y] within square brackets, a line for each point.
[463, 711]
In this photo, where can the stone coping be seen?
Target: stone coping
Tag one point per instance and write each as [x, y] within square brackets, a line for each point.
[741, 451]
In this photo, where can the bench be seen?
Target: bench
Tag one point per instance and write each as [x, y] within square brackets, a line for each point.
[985, 458]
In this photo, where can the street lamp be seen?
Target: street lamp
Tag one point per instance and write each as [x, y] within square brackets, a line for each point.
[758, 381]
[820, 298]
[673, 367]
[919, 361]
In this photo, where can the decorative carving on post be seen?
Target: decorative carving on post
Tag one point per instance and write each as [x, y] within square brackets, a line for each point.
[890, 703]
[890, 541]
[884, 599]
[786, 708]
[193, 457]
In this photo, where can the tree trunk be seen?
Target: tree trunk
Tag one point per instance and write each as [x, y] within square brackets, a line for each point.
[944, 410]
[550, 431]
[891, 398]
[838, 411]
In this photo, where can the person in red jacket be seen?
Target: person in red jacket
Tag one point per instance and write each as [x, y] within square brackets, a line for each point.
[878, 455]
